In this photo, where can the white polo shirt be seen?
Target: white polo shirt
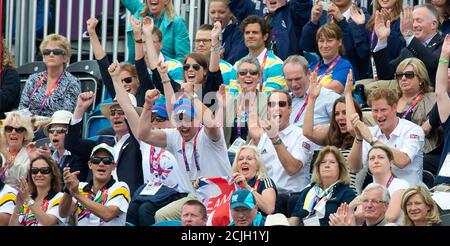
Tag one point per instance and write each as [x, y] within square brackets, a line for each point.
[301, 149]
[7, 199]
[172, 174]
[212, 156]
[408, 138]
[27, 218]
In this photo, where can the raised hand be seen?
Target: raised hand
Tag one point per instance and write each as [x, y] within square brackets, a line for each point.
[91, 25]
[24, 190]
[357, 15]
[354, 119]
[137, 27]
[148, 25]
[215, 33]
[187, 89]
[349, 83]
[445, 52]
[316, 12]
[271, 127]
[406, 22]
[162, 68]
[220, 95]
[70, 180]
[382, 27]
[151, 96]
[314, 87]
[85, 100]
[334, 11]
[114, 69]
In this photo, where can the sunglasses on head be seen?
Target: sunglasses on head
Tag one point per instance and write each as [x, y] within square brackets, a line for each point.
[280, 104]
[408, 75]
[56, 52]
[127, 80]
[113, 112]
[106, 160]
[57, 130]
[248, 71]
[157, 118]
[18, 129]
[43, 170]
[186, 67]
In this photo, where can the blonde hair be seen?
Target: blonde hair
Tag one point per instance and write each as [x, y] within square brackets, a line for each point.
[432, 216]
[58, 40]
[261, 172]
[396, 10]
[168, 9]
[343, 172]
[233, 18]
[419, 70]
[17, 119]
[7, 58]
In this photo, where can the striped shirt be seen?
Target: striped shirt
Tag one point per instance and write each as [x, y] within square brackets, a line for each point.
[174, 68]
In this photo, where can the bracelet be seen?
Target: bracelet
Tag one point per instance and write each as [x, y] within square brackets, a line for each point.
[442, 60]
[166, 81]
[139, 41]
[358, 140]
[148, 107]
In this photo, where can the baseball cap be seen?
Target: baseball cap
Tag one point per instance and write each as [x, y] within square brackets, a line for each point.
[184, 106]
[159, 107]
[103, 146]
[242, 198]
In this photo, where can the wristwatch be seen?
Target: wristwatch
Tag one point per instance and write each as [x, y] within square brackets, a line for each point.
[373, 141]
[277, 142]
[409, 33]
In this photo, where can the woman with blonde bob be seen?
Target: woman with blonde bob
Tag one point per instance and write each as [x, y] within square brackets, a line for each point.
[16, 133]
[249, 172]
[419, 207]
[330, 186]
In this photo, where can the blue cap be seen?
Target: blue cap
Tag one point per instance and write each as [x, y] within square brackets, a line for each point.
[184, 106]
[159, 107]
[242, 198]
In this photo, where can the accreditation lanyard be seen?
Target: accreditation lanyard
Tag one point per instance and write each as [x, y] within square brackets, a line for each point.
[33, 219]
[413, 104]
[47, 94]
[263, 65]
[102, 199]
[186, 163]
[333, 64]
[390, 181]
[372, 61]
[239, 116]
[155, 168]
[300, 112]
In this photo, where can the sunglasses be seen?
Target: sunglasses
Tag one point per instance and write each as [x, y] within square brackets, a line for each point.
[408, 75]
[248, 71]
[186, 67]
[58, 130]
[280, 104]
[158, 119]
[9, 129]
[106, 160]
[56, 52]
[43, 170]
[205, 41]
[113, 112]
[127, 80]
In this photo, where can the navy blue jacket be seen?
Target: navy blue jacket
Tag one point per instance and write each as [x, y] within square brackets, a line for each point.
[356, 41]
[445, 27]
[9, 91]
[233, 43]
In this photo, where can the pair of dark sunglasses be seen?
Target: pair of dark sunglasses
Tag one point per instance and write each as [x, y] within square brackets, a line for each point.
[157, 118]
[127, 80]
[280, 104]
[196, 67]
[113, 112]
[248, 71]
[56, 52]
[57, 130]
[9, 129]
[43, 170]
[106, 160]
[408, 75]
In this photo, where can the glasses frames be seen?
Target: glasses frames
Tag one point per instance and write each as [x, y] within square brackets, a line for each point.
[56, 52]
[106, 160]
[42, 170]
[408, 75]
[280, 104]
[9, 129]
[196, 67]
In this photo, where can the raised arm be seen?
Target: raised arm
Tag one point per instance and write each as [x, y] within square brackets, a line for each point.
[66, 205]
[317, 135]
[147, 29]
[156, 137]
[99, 52]
[442, 99]
[138, 41]
[216, 47]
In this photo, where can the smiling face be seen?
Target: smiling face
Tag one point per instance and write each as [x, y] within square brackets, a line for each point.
[379, 162]
[156, 7]
[253, 37]
[384, 115]
[248, 80]
[100, 171]
[387, 4]
[219, 11]
[247, 164]
[56, 134]
[191, 75]
[53, 60]
[40, 179]
[117, 118]
[129, 82]
[424, 25]
[342, 3]
[328, 47]
[417, 209]
[296, 78]
[329, 167]
[273, 5]
[203, 42]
